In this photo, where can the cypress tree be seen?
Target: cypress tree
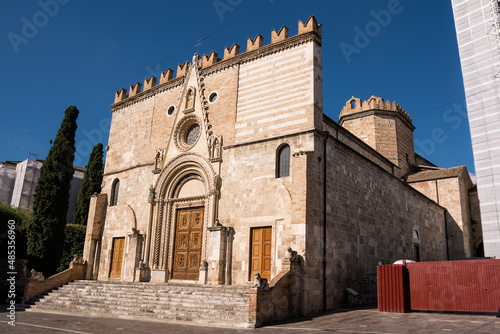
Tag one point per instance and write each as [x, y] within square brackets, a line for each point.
[91, 184]
[46, 231]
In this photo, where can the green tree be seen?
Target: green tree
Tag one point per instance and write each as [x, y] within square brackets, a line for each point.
[91, 184]
[46, 232]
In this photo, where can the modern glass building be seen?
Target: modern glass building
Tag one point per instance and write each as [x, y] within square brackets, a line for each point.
[477, 25]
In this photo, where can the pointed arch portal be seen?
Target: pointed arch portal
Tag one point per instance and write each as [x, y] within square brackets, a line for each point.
[185, 206]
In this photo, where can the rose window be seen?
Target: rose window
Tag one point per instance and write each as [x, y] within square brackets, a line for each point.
[192, 134]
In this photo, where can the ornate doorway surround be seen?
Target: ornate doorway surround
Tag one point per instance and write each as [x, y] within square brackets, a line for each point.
[187, 184]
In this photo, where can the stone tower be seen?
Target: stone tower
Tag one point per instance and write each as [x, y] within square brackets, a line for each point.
[384, 126]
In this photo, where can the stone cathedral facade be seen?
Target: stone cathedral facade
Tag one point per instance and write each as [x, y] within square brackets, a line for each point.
[212, 175]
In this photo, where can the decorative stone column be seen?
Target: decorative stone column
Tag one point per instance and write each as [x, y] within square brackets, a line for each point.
[203, 272]
[216, 254]
[93, 235]
[132, 256]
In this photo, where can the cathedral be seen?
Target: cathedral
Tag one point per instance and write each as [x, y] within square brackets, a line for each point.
[231, 169]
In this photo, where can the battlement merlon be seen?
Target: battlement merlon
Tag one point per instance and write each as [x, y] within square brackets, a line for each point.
[209, 60]
[355, 106]
[205, 61]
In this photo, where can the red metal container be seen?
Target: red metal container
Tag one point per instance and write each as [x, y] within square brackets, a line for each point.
[393, 288]
[467, 286]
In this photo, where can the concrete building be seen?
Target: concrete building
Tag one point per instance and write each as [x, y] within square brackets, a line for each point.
[212, 176]
[477, 25]
[18, 180]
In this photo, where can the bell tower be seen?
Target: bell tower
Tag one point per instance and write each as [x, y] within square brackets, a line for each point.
[384, 126]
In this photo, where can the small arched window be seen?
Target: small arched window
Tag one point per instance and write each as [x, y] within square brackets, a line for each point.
[353, 104]
[114, 192]
[416, 246]
[283, 161]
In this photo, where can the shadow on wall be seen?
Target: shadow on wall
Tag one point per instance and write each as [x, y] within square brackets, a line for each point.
[455, 242]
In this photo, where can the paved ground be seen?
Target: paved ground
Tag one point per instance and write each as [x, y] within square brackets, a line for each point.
[339, 321]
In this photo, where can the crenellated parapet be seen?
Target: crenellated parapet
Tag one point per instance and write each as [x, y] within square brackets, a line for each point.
[209, 60]
[166, 76]
[254, 44]
[280, 35]
[356, 105]
[206, 61]
[182, 69]
[310, 25]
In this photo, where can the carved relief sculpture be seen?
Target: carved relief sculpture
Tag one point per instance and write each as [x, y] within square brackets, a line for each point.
[190, 99]
[159, 159]
[214, 147]
[151, 195]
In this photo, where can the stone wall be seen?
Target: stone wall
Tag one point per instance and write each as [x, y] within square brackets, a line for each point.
[252, 196]
[453, 194]
[276, 94]
[371, 217]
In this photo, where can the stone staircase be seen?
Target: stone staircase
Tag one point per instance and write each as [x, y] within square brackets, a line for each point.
[225, 306]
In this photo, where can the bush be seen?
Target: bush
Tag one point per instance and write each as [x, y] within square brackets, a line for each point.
[22, 217]
[73, 244]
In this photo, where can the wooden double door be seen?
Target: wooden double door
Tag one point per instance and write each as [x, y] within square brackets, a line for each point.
[188, 243]
[261, 252]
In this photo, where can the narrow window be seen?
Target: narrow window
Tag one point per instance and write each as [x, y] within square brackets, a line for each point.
[416, 246]
[283, 168]
[114, 192]
[353, 104]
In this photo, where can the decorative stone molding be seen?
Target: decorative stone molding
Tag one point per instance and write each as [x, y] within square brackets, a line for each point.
[181, 132]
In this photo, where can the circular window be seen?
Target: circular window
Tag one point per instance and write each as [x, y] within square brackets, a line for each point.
[187, 132]
[212, 98]
[170, 110]
[192, 134]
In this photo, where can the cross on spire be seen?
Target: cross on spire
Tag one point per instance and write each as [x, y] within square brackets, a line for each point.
[199, 43]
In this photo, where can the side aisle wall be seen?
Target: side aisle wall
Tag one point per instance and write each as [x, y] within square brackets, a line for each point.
[371, 218]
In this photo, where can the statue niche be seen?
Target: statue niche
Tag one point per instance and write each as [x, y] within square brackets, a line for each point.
[214, 147]
[159, 159]
[190, 99]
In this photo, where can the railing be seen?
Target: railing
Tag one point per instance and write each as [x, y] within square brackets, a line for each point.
[37, 287]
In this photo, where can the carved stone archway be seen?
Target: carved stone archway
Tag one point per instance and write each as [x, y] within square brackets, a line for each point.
[165, 203]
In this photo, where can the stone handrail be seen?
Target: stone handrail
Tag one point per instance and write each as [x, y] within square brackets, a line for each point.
[281, 300]
[34, 287]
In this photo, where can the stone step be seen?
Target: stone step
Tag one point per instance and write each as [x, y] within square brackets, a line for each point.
[176, 310]
[165, 298]
[159, 286]
[239, 306]
[180, 294]
[201, 304]
[226, 320]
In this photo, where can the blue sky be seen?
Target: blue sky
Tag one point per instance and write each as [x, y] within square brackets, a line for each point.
[57, 53]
